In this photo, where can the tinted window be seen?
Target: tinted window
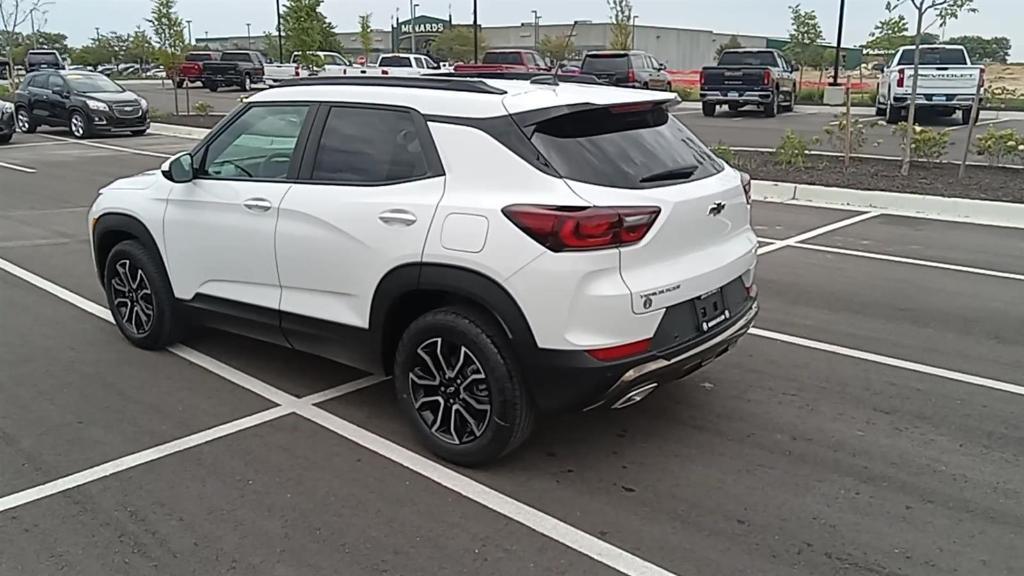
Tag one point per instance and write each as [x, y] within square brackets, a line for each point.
[368, 146]
[935, 57]
[601, 63]
[37, 81]
[55, 82]
[49, 59]
[620, 146]
[395, 61]
[260, 144]
[235, 57]
[198, 57]
[88, 83]
[748, 59]
[506, 58]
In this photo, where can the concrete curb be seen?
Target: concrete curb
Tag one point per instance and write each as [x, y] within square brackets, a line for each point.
[178, 131]
[935, 207]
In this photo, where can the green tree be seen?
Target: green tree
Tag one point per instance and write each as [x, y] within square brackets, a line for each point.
[555, 48]
[621, 16]
[140, 47]
[456, 44]
[890, 34]
[805, 38]
[169, 34]
[996, 49]
[945, 11]
[366, 33]
[732, 44]
[307, 30]
[13, 14]
[272, 48]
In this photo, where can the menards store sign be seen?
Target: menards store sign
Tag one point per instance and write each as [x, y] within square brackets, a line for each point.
[424, 25]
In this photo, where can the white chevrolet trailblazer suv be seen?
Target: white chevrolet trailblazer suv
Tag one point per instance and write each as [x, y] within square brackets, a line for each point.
[503, 248]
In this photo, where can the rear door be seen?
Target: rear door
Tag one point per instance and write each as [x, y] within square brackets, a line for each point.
[371, 181]
[637, 155]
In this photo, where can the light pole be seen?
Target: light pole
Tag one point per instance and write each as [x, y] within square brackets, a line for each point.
[280, 35]
[633, 32]
[189, 23]
[97, 36]
[476, 43]
[248, 34]
[412, 27]
[839, 43]
[536, 29]
[32, 20]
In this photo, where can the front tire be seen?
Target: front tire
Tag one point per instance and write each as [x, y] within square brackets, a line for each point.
[79, 126]
[140, 297]
[213, 87]
[709, 108]
[459, 384]
[246, 84]
[23, 118]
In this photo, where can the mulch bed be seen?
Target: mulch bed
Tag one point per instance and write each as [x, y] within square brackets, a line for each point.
[193, 120]
[979, 183]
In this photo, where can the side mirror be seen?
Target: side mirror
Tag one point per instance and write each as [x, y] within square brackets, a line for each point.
[796, 67]
[878, 67]
[662, 66]
[179, 169]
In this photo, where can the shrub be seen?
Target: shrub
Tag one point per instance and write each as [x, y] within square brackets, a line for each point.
[858, 133]
[791, 151]
[1002, 97]
[997, 145]
[202, 108]
[810, 96]
[687, 94]
[724, 152]
[5, 90]
[926, 144]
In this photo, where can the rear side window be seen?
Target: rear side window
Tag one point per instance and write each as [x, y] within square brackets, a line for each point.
[623, 147]
[506, 58]
[38, 81]
[369, 146]
[601, 63]
[935, 57]
[748, 59]
[395, 62]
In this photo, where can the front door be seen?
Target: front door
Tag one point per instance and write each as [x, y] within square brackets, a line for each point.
[58, 100]
[219, 228]
[371, 185]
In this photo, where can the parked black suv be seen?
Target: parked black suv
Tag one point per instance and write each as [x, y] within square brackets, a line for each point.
[632, 69]
[241, 68]
[85, 102]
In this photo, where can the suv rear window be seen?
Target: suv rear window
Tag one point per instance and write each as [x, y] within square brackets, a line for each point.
[395, 61]
[50, 59]
[235, 57]
[506, 58]
[603, 63]
[623, 147]
[935, 57]
[747, 59]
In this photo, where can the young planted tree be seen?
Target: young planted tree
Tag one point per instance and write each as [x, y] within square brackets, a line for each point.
[169, 33]
[732, 44]
[805, 38]
[621, 16]
[944, 11]
[307, 30]
[555, 49]
[13, 14]
[140, 47]
[456, 44]
[366, 33]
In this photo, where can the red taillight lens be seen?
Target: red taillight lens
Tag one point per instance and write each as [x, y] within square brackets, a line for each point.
[384, 72]
[901, 78]
[568, 228]
[298, 71]
[747, 184]
[701, 77]
[767, 78]
[622, 351]
[630, 76]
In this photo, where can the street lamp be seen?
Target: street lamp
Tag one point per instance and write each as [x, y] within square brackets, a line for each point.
[189, 22]
[839, 43]
[633, 33]
[536, 29]
[476, 43]
[248, 34]
[412, 27]
[280, 35]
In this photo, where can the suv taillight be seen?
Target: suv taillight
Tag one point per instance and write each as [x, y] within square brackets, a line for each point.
[630, 76]
[572, 228]
[901, 78]
[767, 79]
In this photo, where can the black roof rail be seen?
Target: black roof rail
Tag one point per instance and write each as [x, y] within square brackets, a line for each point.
[431, 82]
[550, 78]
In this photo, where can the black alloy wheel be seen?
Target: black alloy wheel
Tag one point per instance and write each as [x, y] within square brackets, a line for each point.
[450, 392]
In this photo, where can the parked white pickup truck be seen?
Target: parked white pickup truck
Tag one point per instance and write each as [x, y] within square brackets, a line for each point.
[328, 64]
[947, 82]
[399, 65]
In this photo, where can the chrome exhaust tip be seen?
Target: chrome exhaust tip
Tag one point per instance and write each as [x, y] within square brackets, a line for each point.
[635, 395]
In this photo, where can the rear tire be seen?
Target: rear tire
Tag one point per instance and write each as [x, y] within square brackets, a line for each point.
[709, 108]
[213, 87]
[892, 114]
[180, 84]
[771, 110]
[246, 85]
[965, 116]
[459, 385]
[880, 110]
[140, 297]
[790, 104]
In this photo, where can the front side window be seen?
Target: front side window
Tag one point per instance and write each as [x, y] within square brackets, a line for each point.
[369, 146]
[55, 83]
[259, 145]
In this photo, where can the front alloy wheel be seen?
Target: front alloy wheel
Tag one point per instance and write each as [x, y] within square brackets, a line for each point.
[79, 129]
[132, 298]
[450, 391]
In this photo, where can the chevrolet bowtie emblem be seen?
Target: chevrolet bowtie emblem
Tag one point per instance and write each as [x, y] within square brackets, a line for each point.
[716, 209]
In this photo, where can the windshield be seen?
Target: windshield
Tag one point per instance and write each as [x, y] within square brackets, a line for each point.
[935, 57]
[92, 83]
[747, 59]
[507, 58]
[599, 63]
[628, 146]
[395, 61]
[198, 57]
[235, 57]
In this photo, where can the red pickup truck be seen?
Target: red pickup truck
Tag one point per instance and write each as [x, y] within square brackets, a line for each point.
[507, 61]
[191, 70]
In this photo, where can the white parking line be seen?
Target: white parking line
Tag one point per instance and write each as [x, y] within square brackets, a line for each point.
[982, 123]
[108, 146]
[17, 168]
[31, 145]
[816, 232]
[913, 261]
[532, 518]
[890, 361]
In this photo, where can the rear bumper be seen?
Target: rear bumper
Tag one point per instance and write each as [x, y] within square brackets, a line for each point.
[736, 96]
[937, 101]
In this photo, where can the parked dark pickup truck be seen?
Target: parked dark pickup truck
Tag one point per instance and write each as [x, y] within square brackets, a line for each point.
[241, 68]
[191, 70]
[749, 77]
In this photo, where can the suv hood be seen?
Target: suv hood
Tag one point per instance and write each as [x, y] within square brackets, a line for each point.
[113, 97]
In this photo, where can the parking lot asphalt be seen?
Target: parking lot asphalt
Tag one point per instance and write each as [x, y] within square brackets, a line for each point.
[869, 425]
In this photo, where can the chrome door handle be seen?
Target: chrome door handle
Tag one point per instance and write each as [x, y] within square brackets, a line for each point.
[257, 204]
[397, 218]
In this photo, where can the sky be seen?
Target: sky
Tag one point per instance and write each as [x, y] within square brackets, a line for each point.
[78, 18]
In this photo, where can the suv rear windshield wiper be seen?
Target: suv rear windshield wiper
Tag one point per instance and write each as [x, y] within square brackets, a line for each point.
[680, 173]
